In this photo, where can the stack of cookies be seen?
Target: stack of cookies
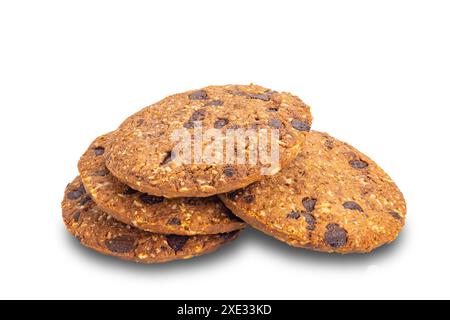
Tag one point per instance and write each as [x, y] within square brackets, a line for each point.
[166, 185]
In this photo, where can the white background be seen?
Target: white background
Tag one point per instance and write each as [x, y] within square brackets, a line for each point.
[376, 74]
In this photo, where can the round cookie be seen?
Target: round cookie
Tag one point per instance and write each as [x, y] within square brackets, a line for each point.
[182, 216]
[332, 199]
[142, 151]
[100, 232]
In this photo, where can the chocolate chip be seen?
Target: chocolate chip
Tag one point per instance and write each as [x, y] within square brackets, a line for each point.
[214, 103]
[249, 199]
[275, 123]
[176, 242]
[74, 195]
[98, 151]
[129, 191]
[198, 115]
[149, 199]
[258, 96]
[76, 216]
[121, 244]
[293, 215]
[102, 173]
[272, 110]
[85, 201]
[167, 158]
[358, 164]
[199, 95]
[300, 125]
[309, 204]
[234, 196]
[82, 189]
[310, 220]
[219, 124]
[335, 236]
[395, 215]
[351, 205]
[140, 122]
[229, 172]
[174, 222]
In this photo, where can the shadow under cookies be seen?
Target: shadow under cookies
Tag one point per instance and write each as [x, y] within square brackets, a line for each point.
[249, 239]
[308, 257]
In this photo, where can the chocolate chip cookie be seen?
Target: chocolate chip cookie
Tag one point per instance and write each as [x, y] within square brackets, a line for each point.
[144, 154]
[99, 231]
[182, 216]
[332, 198]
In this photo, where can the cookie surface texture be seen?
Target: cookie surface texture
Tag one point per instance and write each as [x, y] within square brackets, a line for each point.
[144, 155]
[331, 199]
[181, 216]
[97, 230]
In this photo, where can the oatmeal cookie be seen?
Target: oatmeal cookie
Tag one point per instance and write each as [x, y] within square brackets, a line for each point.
[182, 216]
[97, 230]
[332, 198]
[142, 154]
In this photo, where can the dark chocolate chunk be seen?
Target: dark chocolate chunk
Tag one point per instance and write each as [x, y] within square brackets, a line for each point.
[229, 172]
[335, 236]
[234, 195]
[199, 95]
[351, 205]
[176, 242]
[76, 216]
[309, 204]
[300, 125]
[310, 220]
[98, 151]
[249, 198]
[82, 189]
[358, 164]
[293, 215]
[214, 103]
[275, 123]
[85, 201]
[121, 244]
[74, 195]
[395, 215]
[219, 124]
[149, 199]
[258, 96]
[198, 115]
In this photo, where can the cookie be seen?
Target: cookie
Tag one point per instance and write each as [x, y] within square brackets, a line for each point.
[332, 199]
[97, 230]
[144, 154]
[182, 216]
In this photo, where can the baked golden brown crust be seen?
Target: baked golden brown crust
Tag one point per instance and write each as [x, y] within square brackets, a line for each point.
[332, 198]
[182, 216]
[140, 150]
[100, 232]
